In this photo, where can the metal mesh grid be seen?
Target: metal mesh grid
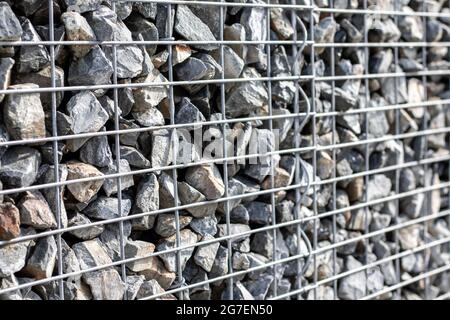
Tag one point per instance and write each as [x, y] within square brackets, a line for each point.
[310, 279]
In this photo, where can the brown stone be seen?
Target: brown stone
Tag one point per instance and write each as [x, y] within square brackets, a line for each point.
[9, 221]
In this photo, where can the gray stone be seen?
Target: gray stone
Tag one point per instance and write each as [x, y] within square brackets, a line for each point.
[48, 176]
[247, 96]
[134, 157]
[191, 69]
[105, 284]
[259, 288]
[187, 238]
[23, 114]
[13, 256]
[83, 191]
[20, 166]
[352, 287]
[204, 226]
[110, 186]
[41, 264]
[6, 65]
[93, 69]
[83, 5]
[233, 64]
[190, 195]
[86, 113]
[133, 284]
[236, 32]
[32, 58]
[147, 200]
[112, 238]
[410, 26]
[162, 154]
[220, 266]
[35, 211]
[96, 151]
[324, 32]
[87, 233]
[147, 98]
[104, 208]
[152, 287]
[206, 179]
[206, 254]
[166, 224]
[78, 29]
[379, 187]
[146, 9]
[138, 249]
[190, 27]
[10, 28]
[343, 99]
[188, 113]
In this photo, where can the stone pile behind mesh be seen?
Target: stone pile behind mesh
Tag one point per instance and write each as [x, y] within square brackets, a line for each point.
[28, 116]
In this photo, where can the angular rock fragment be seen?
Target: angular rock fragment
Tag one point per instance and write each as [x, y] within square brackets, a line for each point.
[86, 113]
[32, 58]
[207, 179]
[83, 191]
[20, 166]
[190, 27]
[105, 284]
[206, 254]
[110, 186]
[10, 27]
[83, 5]
[86, 233]
[104, 208]
[138, 249]
[41, 264]
[35, 211]
[92, 69]
[166, 224]
[78, 29]
[23, 114]
[147, 200]
[187, 238]
[9, 221]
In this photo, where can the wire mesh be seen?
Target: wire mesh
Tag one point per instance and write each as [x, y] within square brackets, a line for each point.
[358, 129]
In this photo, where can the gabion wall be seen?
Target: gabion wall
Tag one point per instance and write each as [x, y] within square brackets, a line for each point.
[239, 149]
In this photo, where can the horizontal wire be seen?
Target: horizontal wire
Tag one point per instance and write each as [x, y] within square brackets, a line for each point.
[242, 157]
[407, 282]
[365, 267]
[301, 78]
[173, 250]
[422, 104]
[167, 41]
[298, 7]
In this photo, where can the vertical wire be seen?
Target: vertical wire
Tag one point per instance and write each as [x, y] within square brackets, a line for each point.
[272, 164]
[366, 145]
[230, 280]
[51, 28]
[425, 144]
[448, 138]
[174, 141]
[398, 158]
[117, 147]
[333, 109]
[297, 145]
[313, 105]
